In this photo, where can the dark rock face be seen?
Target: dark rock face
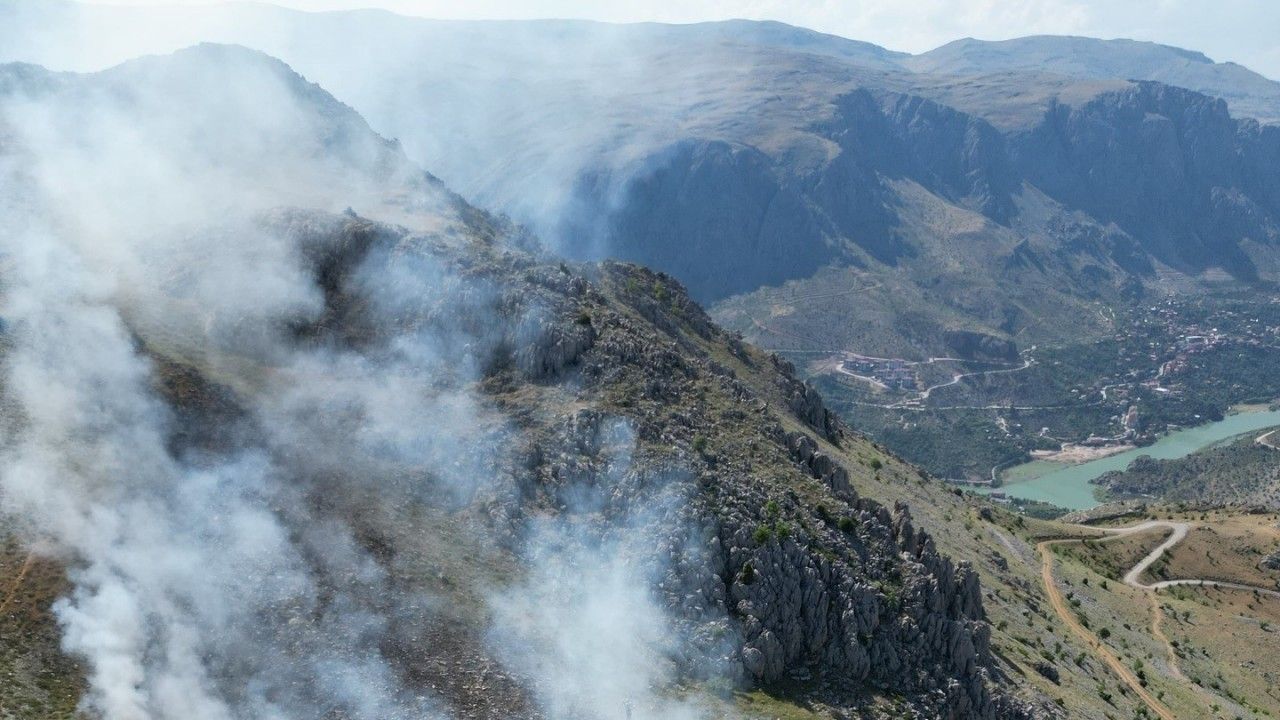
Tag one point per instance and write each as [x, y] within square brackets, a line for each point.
[1167, 165]
[1184, 183]
[674, 446]
[906, 631]
[805, 402]
[714, 214]
[726, 218]
[1048, 671]
[955, 155]
[1271, 562]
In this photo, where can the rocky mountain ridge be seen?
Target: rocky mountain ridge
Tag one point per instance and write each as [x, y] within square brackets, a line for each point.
[1248, 93]
[594, 417]
[761, 167]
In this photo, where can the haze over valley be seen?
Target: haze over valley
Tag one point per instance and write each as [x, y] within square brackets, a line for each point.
[367, 366]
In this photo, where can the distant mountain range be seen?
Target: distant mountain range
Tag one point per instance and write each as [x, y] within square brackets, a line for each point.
[981, 187]
[1247, 93]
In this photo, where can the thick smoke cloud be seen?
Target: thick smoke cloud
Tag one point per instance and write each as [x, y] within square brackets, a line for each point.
[204, 587]
[231, 576]
[534, 120]
[592, 606]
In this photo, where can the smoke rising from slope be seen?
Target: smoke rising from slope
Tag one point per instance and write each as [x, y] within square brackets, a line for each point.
[517, 118]
[592, 606]
[204, 587]
[250, 571]
[229, 580]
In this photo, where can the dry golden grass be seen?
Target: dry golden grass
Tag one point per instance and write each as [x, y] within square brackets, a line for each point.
[1228, 643]
[1113, 557]
[1224, 547]
[36, 681]
[1225, 643]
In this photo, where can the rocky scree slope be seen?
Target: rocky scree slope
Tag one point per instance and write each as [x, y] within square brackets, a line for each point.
[606, 381]
[807, 577]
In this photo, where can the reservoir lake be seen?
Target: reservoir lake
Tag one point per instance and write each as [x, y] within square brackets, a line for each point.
[1068, 486]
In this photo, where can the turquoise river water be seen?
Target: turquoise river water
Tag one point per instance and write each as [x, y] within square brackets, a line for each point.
[1068, 486]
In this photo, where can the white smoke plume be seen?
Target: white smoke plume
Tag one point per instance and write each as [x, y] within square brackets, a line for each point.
[204, 587]
[591, 607]
[536, 120]
[236, 580]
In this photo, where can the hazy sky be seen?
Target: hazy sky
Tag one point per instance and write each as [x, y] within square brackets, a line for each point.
[1244, 31]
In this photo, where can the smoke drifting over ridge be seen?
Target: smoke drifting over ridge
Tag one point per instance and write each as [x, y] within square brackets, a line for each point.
[253, 570]
[535, 120]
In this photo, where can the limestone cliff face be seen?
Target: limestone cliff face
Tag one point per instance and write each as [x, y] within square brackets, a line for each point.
[727, 218]
[717, 215]
[1185, 183]
[1169, 166]
[728, 467]
[917, 629]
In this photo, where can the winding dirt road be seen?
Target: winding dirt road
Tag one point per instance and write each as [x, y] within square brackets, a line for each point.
[1180, 530]
[1179, 533]
[1102, 652]
[1133, 578]
[1269, 440]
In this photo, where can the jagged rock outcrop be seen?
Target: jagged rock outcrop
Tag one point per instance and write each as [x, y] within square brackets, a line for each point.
[805, 401]
[844, 590]
[672, 443]
[820, 465]
[907, 629]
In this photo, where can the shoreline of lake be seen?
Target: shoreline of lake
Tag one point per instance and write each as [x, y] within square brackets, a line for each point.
[1068, 485]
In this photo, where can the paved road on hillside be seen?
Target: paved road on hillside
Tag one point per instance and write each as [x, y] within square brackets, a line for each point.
[955, 379]
[1133, 578]
[1180, 530]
